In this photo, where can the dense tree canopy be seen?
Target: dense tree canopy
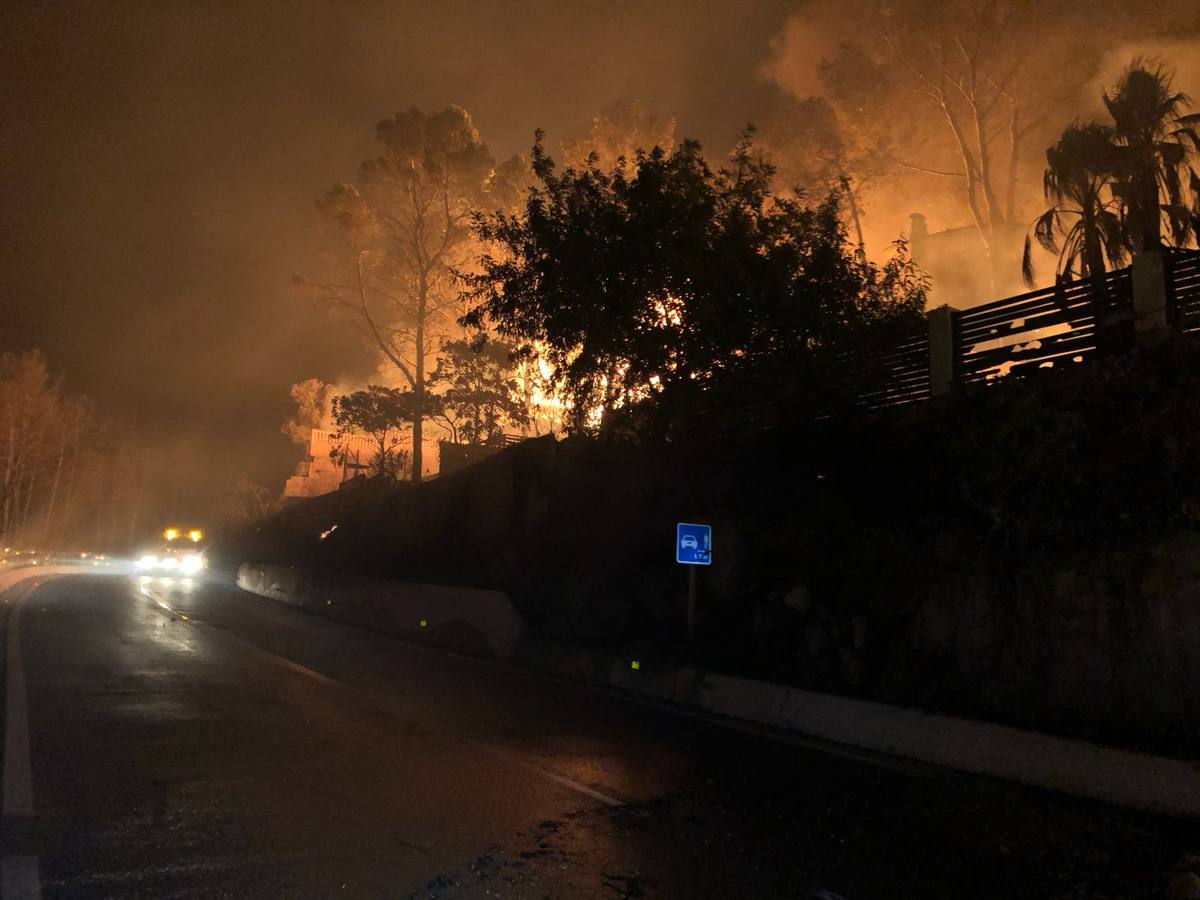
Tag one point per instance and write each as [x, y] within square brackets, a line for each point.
[649, 282]
[477, 391]
[380, 413]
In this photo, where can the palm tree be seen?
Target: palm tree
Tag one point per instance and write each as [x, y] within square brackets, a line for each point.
[1083, 224]
[1155, 145]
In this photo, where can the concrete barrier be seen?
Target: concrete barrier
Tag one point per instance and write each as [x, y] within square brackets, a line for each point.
[1120, 777]
[465, 620]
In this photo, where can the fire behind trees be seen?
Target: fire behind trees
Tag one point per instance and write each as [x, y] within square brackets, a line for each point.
[946, 108]
[398, 233]
[647, 285]
[618, 333]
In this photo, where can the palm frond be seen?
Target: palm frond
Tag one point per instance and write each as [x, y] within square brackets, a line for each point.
[1027, 272]
[1044, 228]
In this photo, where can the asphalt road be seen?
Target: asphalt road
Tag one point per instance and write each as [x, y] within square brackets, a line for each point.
[205, 742]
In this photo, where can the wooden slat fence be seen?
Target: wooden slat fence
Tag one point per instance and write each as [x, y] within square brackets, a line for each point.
[1053, 327]
[1042, 328]
[1183, 288]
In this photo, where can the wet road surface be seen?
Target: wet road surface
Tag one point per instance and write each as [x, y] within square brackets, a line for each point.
[205, 742]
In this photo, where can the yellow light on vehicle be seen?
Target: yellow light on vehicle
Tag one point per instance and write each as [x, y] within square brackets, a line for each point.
[195, 534]
[171, 533]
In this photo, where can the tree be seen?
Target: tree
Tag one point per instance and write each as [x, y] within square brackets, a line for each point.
[1156, 184]
[380, 413]
[65, 473]
[1115, 189]
[1083, 225]
[29, 403]
[813, 156]
[247, 502]
[399, 234]
[945, 100]
[312, 397]
[478, 391]
[950, 93]
[648, 283]
[618, 131]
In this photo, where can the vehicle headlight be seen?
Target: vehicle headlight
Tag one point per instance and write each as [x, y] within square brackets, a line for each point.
[168, 562]
[149, 561]
[191, 564]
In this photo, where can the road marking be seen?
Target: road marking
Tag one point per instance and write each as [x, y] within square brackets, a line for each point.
[325, 679]
[18, 776]
[19, 879]
[546, 773]
[383, 701]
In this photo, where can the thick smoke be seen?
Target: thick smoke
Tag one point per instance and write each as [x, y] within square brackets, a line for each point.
[161, 162]
[1069, 53]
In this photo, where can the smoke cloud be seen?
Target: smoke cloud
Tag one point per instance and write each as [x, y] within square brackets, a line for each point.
[161, 162]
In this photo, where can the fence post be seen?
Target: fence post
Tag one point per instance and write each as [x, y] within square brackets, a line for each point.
[941, 350]
[1151, 316]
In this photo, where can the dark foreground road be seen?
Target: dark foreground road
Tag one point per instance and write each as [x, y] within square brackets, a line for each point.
[205, 742]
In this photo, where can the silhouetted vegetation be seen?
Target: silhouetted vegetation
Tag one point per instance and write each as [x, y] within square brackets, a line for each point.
[1122, 187]
[380, 413]
[476, 391]
[646, 285]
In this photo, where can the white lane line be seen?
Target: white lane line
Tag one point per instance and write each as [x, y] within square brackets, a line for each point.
[546, 773]
[18, 775]
[19, 879]
[325, 679]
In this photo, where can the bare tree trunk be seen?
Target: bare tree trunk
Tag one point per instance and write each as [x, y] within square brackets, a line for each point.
[70, 492]
[1014, 156]
[28, 499]
[10, 476]
[418, 430]
[13, 515]
[852, 204]
[62, 452]
[972, 173]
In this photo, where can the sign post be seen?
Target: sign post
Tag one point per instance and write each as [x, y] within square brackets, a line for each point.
[691, 601]
[693, 547]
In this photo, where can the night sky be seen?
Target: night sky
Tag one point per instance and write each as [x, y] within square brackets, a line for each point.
[160, 163]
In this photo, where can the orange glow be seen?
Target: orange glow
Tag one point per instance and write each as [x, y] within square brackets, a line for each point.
[171, 534]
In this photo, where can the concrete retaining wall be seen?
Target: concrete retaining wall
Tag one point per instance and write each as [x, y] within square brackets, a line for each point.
[465, 620]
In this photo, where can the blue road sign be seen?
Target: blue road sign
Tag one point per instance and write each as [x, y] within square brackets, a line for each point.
[693, 544]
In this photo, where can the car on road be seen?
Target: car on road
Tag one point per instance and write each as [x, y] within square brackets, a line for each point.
[171, 559]
[181, 554]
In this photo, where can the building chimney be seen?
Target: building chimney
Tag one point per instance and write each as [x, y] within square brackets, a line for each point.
[918, 235]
